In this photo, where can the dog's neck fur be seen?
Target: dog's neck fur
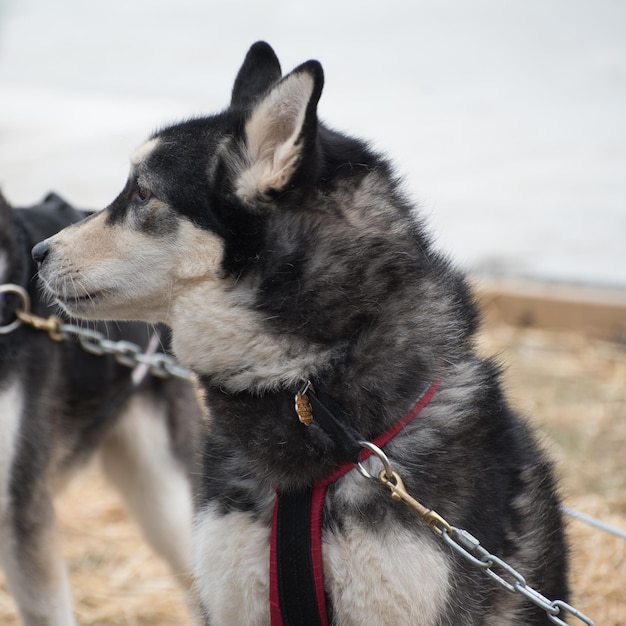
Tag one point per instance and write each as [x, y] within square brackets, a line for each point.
[253, 409]
[284, 453]
[232, 348]
[280, 325]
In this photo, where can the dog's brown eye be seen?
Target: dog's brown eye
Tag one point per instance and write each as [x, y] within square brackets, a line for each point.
[141, 194]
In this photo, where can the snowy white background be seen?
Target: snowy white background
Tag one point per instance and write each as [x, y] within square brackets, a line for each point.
[507, 119]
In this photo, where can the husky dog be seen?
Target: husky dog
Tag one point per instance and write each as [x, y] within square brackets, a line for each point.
[280, 251]
[59, 406]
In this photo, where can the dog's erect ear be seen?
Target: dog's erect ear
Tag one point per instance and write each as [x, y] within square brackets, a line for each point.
[260, 70]
[281, 135]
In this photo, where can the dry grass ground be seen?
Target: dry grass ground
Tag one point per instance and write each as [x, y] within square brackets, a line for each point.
[574, 389]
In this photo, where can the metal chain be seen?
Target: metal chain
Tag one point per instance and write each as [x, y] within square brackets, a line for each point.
[125, 352]
[468, 547]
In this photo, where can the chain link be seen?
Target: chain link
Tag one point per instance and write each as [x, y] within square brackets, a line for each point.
[125, 352]
[468, 547]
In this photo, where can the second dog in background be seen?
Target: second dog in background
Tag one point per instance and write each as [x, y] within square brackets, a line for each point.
[59, 407]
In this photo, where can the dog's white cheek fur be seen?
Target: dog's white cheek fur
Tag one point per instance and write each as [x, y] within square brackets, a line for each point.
[231, 567]
[213, 332]
[128, 270]
[198, 253]
[216, 332]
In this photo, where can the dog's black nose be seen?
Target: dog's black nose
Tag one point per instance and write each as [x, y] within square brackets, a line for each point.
[40, 252]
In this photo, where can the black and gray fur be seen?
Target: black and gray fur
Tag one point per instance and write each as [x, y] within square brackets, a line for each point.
[328, 260]
[61, 406]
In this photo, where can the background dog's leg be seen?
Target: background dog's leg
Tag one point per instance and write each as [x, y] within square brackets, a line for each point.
[138, 458]
[35, 571]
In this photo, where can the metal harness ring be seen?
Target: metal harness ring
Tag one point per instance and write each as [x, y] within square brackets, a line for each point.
[23, 295]
[380, 455]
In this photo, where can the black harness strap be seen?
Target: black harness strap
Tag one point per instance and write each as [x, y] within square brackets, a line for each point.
[334, 421]
[297, 600]
[297, 595]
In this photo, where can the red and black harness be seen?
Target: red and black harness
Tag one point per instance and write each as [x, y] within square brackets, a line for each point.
[297, 593]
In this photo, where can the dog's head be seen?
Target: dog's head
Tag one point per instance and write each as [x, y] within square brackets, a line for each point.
[193, 206]
[267, 241]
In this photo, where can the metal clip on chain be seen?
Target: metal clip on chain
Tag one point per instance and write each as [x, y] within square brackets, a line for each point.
[398, 492]
[50, 324]
[468, 547]
[23, 315]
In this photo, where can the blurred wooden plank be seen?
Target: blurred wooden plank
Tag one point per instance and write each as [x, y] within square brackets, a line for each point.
[597, 312]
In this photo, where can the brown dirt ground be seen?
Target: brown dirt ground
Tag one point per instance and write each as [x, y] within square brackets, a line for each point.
[572, 387]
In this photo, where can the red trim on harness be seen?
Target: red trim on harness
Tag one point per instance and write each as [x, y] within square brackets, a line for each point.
[276, 619]
[317, 564]
[318, 499]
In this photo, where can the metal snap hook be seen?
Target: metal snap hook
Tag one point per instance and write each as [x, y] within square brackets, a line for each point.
[24, 297]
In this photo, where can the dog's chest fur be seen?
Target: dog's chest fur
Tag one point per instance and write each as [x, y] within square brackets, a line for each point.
[371, 572]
